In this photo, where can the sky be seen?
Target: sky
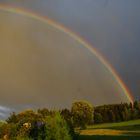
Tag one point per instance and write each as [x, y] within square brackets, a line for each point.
[111, 26]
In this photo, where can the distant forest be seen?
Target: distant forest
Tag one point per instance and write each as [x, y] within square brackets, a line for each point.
[112, 112]
[117, 112]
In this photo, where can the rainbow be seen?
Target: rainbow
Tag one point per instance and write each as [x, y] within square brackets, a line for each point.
[58, 26]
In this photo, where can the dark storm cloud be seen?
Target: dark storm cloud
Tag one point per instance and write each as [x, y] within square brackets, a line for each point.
[111, 25]
[43, 66]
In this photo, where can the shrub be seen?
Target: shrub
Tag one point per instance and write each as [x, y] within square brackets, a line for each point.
[56, 128]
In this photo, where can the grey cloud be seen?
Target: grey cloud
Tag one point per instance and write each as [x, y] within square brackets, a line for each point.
[112, 26]
[4, 109]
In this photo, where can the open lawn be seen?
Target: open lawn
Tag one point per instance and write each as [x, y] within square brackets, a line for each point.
[129, 130]
[97, 137]
[127, 125]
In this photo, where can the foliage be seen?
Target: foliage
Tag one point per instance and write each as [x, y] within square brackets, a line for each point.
[82, 113]
[22, 138]
[56, 128]
[98, 118]
[38, 130]
[8, 129]
[24, 131]
[118, 112]
[66, 114]
[137, 105]
[39, 125]
[12, 118]
[44, 112]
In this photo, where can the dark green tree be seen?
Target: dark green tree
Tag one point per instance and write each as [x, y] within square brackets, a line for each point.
[82, 113]
[12, 118]
[44, 112]
[98, 118]
[112, 116]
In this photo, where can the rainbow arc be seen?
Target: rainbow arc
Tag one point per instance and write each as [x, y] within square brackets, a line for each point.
[56, 25]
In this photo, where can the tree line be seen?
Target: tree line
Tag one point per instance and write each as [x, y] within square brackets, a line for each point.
[117, 112]
[45, 124]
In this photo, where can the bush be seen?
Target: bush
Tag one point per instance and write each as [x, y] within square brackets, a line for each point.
[8, 129]
[56, 128]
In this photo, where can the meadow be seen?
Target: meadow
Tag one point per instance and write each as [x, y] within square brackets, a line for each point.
[129, 130]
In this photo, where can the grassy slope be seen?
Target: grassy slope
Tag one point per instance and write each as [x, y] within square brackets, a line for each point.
[96, 137]
[129, 130]
[128, 125]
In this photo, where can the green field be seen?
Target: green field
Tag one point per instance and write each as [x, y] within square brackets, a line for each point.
[133, 124]
[129, 130]
[96, 137]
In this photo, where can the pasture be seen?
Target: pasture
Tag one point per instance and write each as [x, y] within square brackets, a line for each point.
[129, 130]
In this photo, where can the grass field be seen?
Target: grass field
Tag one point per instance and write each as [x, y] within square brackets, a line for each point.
[97, 137]
[133, 124]
[129, 130]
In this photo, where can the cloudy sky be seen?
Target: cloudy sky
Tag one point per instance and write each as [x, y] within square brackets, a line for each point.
[111, 26]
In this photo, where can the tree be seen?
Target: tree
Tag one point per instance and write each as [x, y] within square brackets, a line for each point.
[66, 114]
[130, 105]
[82, 113]
[44, 112]
[98, 117]
[137, 105]
[127, 114]
[56, 128]
[112, 116]
[8, 130]
[12, 118]
[134, 114]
